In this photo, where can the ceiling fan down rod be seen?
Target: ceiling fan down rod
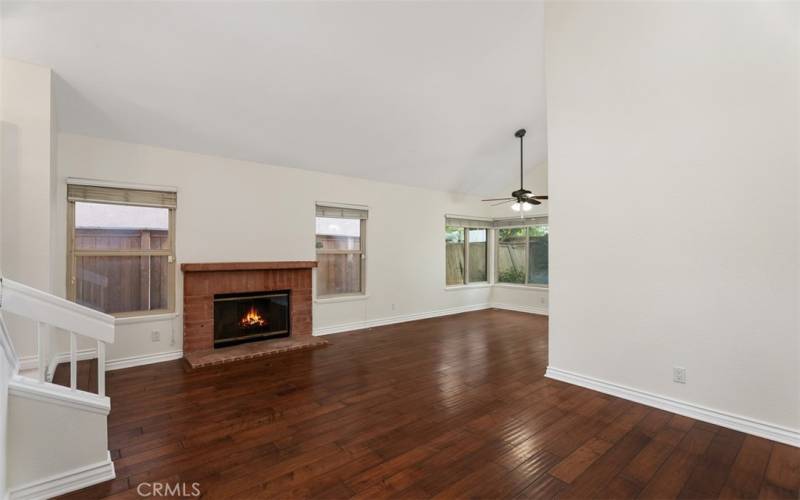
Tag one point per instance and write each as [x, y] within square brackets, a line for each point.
[520, 133]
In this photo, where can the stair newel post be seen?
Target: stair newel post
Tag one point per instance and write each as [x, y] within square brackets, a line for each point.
[101, 368]
[73, 361]
[40, 349]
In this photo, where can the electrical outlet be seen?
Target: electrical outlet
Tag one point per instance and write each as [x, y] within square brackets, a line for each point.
[155, 336]
[541, 300]
[679, 374]
[392, 307]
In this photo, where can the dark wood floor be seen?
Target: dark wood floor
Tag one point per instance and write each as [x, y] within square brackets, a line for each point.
[86, 375]
[449, 407]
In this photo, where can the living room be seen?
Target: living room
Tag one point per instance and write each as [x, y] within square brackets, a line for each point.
[303, 249]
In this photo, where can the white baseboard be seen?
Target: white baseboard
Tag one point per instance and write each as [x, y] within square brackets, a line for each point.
[372, 323]
[542, 310]
[717, 417]
[111, 364]
[66, 482]
[144, 359]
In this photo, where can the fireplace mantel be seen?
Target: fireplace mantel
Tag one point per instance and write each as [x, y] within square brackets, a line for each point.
[247, 266]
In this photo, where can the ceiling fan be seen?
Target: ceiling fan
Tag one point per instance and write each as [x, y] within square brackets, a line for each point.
[523, 199]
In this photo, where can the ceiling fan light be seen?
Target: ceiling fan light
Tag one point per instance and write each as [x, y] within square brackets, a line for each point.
[516, 206]
[527, 206]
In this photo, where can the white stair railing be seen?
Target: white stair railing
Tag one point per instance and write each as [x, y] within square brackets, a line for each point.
[47, 309]
[7, 346]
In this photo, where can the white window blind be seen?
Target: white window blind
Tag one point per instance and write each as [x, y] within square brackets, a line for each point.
[458, 221]
[518, 222]
[121, 196]
[341, 212]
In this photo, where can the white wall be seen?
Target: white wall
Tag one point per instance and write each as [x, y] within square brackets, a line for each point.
[673, 166]
[238, 211]
[50, 439]
[27, 190]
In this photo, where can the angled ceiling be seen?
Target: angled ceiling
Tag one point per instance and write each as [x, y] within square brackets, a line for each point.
[425, 94]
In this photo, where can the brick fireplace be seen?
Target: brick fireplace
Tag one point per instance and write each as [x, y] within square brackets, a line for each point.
[205, 282]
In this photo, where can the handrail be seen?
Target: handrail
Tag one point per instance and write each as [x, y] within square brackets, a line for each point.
[47, 308]
[8, 346]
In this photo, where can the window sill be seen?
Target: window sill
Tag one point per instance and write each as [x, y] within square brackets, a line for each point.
[452, 288]
[341, 298]
[144, 318]
[540, 288]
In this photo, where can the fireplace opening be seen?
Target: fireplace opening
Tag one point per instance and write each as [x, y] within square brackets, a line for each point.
[250, 317]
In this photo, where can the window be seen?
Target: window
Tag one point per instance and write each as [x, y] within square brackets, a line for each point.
[466, 251]
[522, 255]
[476, 250]
[120, 245]
[454, 247]
[341, 252]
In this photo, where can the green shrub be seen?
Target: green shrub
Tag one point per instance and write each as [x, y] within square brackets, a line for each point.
[511, 276]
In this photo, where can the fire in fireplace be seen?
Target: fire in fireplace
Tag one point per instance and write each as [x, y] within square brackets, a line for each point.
[249, 317]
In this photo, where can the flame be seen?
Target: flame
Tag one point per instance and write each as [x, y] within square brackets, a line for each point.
[251, 318]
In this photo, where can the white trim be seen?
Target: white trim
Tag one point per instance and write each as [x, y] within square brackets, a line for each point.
[77, 181]
[332, 299]
[28, 388]
[132, 320]
[65, 482]
[55, 311]
[717, 417]
[360, 325]
[476, 285]
[31, 362]
[541, 310]
[143, 359]
[28, 362]
[5, 343]
[532, 287]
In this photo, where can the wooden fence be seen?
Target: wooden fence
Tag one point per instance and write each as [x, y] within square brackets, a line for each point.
[117, 283]
[455, 262]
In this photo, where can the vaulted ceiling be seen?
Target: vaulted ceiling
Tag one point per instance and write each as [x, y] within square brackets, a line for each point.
[425, 94]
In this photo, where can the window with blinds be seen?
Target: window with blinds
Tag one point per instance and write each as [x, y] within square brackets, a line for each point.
[121, 246]
[341, 250]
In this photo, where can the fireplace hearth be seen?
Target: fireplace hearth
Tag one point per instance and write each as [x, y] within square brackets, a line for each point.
[249, 317]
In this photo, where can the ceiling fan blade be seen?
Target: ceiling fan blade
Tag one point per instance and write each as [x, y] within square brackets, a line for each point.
[532, 196]
[501, 203]
[498, 199]
[533, 201]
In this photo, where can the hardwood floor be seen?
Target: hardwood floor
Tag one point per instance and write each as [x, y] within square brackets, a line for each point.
[449, 407]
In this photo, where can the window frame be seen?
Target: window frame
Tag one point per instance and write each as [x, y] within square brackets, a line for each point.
[467, 281]
[73, 254]
[527, 257]
[362, 252]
